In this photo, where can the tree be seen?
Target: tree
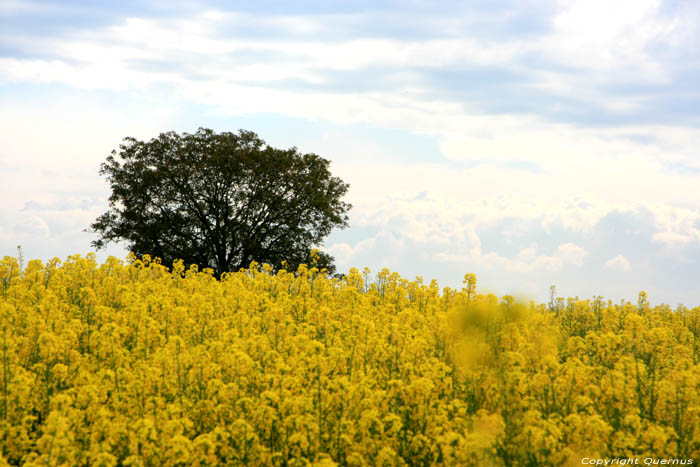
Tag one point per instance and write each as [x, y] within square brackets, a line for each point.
[220, 200]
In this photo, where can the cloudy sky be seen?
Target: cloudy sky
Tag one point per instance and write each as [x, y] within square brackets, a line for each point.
[532, 143]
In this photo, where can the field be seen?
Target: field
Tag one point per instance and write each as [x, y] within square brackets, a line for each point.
[130, 364]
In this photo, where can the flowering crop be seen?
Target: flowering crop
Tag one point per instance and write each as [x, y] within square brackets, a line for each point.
[132, 364]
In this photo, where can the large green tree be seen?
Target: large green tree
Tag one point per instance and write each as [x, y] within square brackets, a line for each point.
[220, 200]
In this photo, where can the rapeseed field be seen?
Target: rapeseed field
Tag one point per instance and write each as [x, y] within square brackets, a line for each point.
[128, 363]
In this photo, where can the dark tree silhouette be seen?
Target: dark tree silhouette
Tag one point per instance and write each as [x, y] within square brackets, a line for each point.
[220, 200]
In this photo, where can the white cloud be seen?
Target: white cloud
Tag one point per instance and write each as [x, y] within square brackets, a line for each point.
[344, 252]
[50, 157]
[595, 34]
[619, 263]
[527, 260]
[202, 66]
[442, 228]
[672, 238]
[677, 226]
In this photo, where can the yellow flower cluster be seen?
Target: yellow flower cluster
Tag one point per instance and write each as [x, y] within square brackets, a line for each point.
[132, 364]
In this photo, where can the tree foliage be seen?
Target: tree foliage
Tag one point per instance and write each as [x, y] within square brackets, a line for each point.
[220, 200]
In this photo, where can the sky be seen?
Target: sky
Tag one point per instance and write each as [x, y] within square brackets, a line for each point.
[533, 143]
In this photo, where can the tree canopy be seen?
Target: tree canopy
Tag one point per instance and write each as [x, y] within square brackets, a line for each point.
[220, 200]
